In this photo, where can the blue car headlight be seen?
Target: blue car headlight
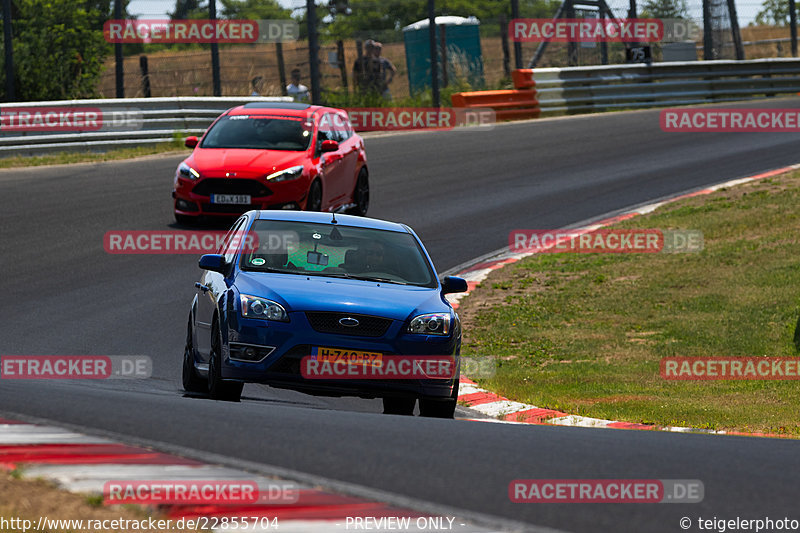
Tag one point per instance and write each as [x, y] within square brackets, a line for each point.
[255, 307]
[430, 324]
[286, 174]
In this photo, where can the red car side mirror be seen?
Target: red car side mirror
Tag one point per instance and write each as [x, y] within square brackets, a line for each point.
[191, 141]
[329, 146]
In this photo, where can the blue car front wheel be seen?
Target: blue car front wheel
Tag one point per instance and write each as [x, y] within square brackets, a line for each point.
[191, 381]
[399, 406]
[437, 408]
[219, 389]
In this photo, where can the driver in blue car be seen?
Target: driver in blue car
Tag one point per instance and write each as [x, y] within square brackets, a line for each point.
[374, 258]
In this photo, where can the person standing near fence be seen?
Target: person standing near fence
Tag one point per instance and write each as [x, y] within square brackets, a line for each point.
[255, 82]
[295, 89]
[385, 71]
[366, 70]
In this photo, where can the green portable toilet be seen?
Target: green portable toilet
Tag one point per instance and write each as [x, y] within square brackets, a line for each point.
[463, 43]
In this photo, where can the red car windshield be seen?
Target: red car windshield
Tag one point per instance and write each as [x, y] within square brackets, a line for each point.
[259, 133]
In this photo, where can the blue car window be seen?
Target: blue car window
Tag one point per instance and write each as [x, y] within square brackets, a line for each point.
[338, 251]
[231, 245]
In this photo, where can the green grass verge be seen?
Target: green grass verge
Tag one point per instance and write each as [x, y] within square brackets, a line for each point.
[65, 158]
[584, 333]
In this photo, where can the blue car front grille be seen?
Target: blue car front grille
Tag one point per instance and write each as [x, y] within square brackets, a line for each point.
[368, 326]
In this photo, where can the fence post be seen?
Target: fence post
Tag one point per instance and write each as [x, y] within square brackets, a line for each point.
[434, 54]
[9, 51]
[443, 46]
[517, 45]
[603, 44]
[708, 38]
[145, 76]
[118, 60]
[737, 35]
[281, 67]
[504, 44]
[212, 14]
[572, 48]
[342, 63]
[357, 78]
[793, 26]
[313, 51]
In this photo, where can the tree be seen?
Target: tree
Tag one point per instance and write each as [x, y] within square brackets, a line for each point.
[665, 9]
[70, 31]
[773, 13]
[189, 9]
[254, 10]
[376, 17]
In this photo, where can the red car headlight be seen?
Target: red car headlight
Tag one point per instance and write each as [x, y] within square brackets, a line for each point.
[286, 174]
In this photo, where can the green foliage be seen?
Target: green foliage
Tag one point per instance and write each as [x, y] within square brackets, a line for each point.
[178, 138]
[254, 9]
[349, 99]
[665, 9]
[774, 13]
[94, 500]
[226, 9]
[58, 48]
[189, 9]
[383, 19]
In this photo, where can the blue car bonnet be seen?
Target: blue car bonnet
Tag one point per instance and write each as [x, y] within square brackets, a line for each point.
[317, 293]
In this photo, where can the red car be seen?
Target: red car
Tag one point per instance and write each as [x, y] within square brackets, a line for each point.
[273, 155]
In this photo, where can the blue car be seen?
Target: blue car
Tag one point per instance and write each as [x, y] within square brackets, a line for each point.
[295, 288]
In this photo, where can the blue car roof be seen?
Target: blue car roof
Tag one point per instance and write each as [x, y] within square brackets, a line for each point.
[325, 218]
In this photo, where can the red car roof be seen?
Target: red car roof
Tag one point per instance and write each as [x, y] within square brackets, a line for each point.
[287, 109]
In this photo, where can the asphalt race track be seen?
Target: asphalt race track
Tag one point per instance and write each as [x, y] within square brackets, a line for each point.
[462, 192]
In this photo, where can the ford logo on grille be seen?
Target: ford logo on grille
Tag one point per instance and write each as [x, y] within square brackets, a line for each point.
[349, 322]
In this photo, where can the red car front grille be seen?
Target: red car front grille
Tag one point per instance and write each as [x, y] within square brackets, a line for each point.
[210, 186]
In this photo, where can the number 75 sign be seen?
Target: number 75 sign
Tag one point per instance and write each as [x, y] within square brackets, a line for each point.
[638, 54]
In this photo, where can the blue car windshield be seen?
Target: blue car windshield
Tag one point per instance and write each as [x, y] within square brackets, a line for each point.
[334, 250]
[259, 133]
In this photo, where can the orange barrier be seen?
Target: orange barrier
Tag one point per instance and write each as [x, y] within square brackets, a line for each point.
[520, 102]
[506, 104]
[523, 78]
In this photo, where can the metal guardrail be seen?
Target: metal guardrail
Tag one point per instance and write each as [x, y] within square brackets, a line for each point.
[759, 42]
[157, 121]
[558, 90]
[609, 87]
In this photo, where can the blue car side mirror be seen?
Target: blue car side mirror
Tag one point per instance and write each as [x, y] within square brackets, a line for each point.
[212, 262]
[451, 284]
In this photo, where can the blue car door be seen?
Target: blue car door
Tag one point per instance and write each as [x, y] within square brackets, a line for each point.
[212, 286]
